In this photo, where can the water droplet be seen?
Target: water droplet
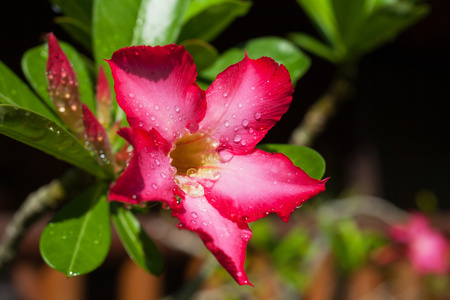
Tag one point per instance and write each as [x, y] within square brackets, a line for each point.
[275, 182]
[226, 123]
[181, 225]
[236, 128]
[157, 162]
[156, 107]
[216, 175]
[237, 138]
[131, 95]
[225, 155]
[193, 127]
[245, 123]
[194, 215]
[141, 124]
[257, 115]
[253, 88]
[176, 108]
[224, 94]
[239, 274]
[154, 186]
[205, 224]
[240, 105]
[243, 142]
[194, 222]
[152, 118]
[163, 175]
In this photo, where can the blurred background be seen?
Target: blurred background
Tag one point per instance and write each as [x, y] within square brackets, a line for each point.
[389, 140]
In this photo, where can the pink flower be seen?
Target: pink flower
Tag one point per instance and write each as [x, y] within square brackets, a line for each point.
[426, 248]
[195, 151]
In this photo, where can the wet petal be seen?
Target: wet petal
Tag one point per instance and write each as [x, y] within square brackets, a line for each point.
[245, 101]
[103, 98]
[225, 239]
[63, 87]
[156, 88]
[252, 186]
[148, 176]
[96, 138]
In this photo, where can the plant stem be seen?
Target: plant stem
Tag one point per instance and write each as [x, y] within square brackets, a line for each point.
[35, 205]
[325, 107]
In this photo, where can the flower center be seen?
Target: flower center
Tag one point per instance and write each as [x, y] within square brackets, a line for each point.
[193, 154]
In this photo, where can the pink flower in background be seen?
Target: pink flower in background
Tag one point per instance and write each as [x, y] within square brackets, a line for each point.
[427, 249]
[195, 151]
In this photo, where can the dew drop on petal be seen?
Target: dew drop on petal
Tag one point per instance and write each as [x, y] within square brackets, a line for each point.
[181, 225]
[153, 118]
[157, 162]
[237, 138]
[245, 123]
[225, 155]
[141, 124]
[235, 127]
[226, 123]
[193, 127]
[154, 186]
[176, 108]
[257, 115]
[194, 215]
[224, 94]
[156, 107]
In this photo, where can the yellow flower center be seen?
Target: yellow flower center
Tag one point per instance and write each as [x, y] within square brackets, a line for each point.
[195, 155]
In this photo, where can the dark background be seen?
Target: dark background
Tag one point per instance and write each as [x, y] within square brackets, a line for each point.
[393, 135]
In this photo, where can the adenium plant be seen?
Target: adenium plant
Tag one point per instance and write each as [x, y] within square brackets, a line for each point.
[195, 150]
[192, 150]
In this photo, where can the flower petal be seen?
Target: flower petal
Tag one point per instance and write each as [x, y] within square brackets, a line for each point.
[63, 87]
[148, 176]
[245, 101]
[225, 239]
[96, 138]
[156, 88]
[254, 185]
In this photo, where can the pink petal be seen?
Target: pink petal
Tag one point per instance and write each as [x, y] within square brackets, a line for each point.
[96, 137]
[156, 88]
[245, 101]
[225, 239]
[149, 176]
[103, 98]
[63, 87]
[254, 185]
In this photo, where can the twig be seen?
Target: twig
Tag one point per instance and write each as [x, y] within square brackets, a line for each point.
[35, 205]
[324, 108]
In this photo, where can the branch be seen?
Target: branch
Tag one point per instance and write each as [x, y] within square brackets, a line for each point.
[35, 205]
[319, 113]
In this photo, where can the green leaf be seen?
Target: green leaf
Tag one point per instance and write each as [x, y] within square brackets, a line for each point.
[206, 19]
[77, 9]
[77, 239]
[281, 50]
[322, 15]
[350, 15]
[314, 46]
[79, 31]
[34, 63]
[386, 23]
[137, 243]
[306, 158]
[15, 92]
[112, 26]
[43, 134]
[159, 22]
[204, 54]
